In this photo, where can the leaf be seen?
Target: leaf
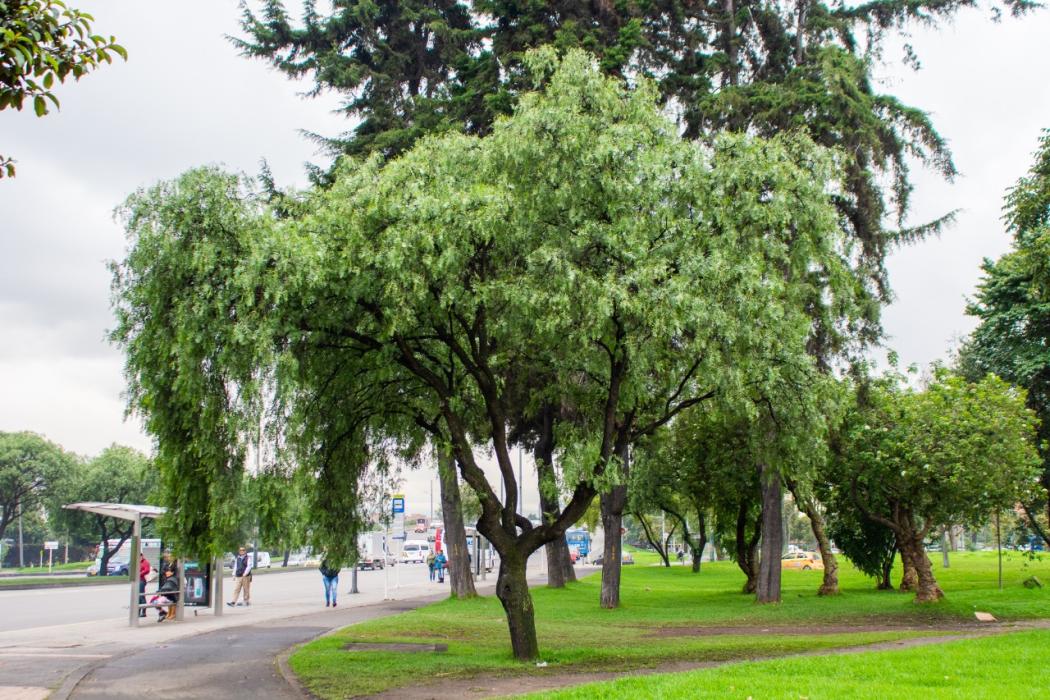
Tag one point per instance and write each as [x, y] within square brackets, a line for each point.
[39, 106]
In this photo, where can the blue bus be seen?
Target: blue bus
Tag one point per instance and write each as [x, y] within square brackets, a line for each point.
[580, 540]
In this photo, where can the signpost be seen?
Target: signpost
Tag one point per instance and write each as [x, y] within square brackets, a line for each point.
[50, 547]
[397, 509]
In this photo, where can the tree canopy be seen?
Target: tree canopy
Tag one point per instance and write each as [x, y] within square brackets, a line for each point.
[119, 474]
[30, 465]
[949, 454]
[43, 41]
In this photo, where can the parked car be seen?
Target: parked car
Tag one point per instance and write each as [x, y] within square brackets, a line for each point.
[628, 558]
[805, 561]
[262, 561]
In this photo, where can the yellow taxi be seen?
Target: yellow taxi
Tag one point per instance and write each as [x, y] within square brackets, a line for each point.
[805, 561]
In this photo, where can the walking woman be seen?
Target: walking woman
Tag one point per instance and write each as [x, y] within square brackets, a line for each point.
[330, 575]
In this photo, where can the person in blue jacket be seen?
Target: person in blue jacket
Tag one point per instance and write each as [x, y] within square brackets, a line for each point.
[439, 566]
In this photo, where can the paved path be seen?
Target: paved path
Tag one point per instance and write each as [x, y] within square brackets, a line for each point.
[233, 652]
[235, 662]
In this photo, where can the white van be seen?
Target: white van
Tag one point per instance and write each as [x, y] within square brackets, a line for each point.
[121, 552]
[415, 550]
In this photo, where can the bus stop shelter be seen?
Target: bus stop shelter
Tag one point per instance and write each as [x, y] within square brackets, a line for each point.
[136, 514]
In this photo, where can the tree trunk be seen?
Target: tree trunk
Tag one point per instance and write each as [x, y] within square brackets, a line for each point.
[701, 542]
[885, 584]
[945, 543]
[768, 590]
[612, 505]
[927, 590]
[559, 562]
[461, 582]
[287, 555]
[650, 537]
[830, 584]
[909, 577]
[512, 589]
[746, 549]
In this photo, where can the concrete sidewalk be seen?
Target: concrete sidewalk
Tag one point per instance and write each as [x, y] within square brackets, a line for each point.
[37, 661]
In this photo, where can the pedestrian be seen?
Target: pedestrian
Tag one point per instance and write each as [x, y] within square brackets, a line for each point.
[330, 576]
[430, 565]
[144, 569]
[168, 565]
[167, 594]
[439, 565]
[242, 574]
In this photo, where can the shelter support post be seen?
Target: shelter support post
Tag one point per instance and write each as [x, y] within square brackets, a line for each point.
[133, 571]
[216, 572]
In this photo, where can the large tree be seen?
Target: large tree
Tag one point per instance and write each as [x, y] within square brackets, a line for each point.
[1013, 337]
[582, 233]
[951, 453]
[41, 42]
[31, 468]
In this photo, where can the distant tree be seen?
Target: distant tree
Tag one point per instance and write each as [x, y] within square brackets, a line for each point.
[1013, 337]
[42, 41]
[118, 474]
[31, 468]
[950, 453]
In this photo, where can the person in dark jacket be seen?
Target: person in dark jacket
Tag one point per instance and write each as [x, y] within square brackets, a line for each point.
[330, 576]
[167, 593]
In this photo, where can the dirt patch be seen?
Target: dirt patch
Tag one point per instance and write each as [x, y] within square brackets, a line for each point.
[402, 647]
[810, 630]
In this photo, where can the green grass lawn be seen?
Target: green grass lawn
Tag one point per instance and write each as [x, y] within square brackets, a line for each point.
[1003, 666]
[78, 566]
[575, 634]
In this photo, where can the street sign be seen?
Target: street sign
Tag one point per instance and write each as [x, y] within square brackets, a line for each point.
[397, 503]
[51, 545]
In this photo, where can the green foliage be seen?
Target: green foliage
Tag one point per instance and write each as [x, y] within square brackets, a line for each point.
[394, 60]
[412, 68]
[951, 453]
[42, 41]
[31, 467]
[180, 298]
[1013, 304]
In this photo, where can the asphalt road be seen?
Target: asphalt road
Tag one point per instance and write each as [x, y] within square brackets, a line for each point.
[20, 610]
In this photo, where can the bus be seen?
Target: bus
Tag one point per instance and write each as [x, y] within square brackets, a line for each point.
[579, 540]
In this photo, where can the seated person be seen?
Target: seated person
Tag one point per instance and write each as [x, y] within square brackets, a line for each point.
[167, 594]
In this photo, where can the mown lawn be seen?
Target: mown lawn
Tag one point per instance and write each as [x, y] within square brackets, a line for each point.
[575, 634]
[994, 668]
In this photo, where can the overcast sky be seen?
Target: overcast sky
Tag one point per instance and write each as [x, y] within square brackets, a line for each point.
[185, 98]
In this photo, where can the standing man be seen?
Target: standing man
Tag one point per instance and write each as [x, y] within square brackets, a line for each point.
[242, 573]
[144, 569]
